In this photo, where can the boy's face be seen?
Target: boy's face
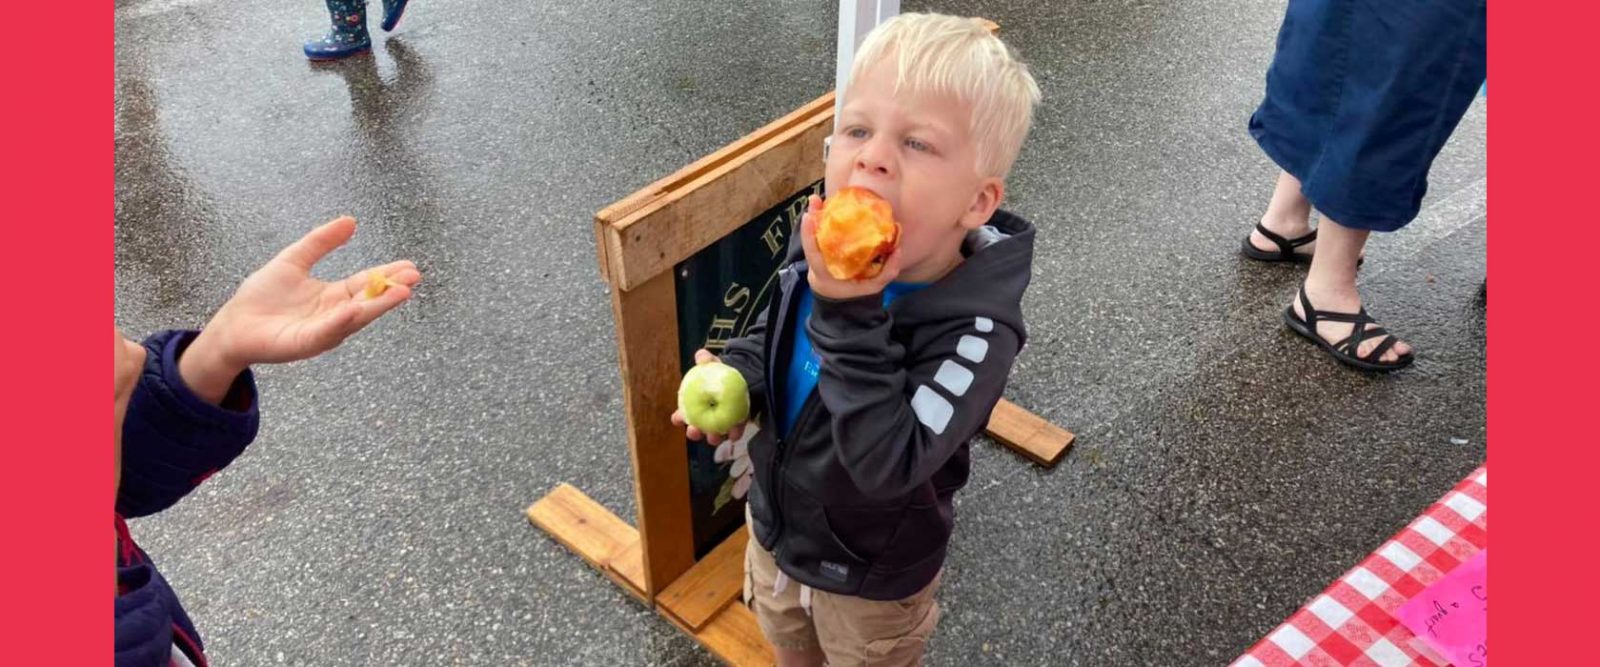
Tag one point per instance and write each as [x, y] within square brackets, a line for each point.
[918, 153]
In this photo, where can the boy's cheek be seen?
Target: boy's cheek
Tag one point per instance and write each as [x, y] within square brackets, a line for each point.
[912, 241]
[924, 227]
[834, 175]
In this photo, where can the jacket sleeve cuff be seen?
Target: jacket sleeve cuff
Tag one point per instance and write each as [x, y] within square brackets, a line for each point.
[239, 414]
[172, 439]
[837, 317]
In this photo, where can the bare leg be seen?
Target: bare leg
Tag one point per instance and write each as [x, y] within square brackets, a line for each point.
[788, 657]
[1288, 215]
[1331, 285]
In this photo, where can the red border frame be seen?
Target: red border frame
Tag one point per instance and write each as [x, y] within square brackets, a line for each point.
[56, 255]
[55, 479]
[1543, 60]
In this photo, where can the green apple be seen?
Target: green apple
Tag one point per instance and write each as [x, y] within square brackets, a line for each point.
[714, 398]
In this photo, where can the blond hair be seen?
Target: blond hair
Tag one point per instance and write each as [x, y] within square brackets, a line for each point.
[948, 55]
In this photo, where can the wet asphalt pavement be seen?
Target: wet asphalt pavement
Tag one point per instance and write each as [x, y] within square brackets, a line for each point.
[1225, 470]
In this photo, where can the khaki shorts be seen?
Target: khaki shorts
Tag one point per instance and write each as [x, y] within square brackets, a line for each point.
[850, 630]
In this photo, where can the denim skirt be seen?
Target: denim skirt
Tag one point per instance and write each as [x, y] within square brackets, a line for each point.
[1362, 94]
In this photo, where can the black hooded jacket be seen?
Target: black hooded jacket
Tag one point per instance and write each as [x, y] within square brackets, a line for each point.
[857, 500]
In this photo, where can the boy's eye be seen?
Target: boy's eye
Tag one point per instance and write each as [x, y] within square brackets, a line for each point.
[918, 145]
[856, 133]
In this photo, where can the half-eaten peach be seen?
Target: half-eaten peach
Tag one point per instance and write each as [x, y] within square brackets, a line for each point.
[856, 234]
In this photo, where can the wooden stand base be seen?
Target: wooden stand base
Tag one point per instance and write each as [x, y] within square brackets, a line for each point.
[1028, 434]
[702, 602]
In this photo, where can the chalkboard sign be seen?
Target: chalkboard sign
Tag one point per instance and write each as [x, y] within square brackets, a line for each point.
[721, 291]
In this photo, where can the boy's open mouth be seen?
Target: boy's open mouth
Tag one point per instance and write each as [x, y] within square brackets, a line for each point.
[893, 205]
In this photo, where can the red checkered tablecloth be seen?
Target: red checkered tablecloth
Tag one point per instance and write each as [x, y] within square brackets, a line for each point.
[1353, 621]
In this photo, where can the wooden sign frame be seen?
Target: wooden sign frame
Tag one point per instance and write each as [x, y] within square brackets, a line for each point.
[639, 240]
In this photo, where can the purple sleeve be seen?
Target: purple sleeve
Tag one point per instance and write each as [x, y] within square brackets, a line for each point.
[172, 440]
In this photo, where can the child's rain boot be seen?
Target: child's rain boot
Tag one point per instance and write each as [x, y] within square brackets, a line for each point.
[348, 36]
[392, 9]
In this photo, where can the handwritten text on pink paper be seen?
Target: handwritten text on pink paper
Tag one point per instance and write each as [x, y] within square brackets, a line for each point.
[1452, 615]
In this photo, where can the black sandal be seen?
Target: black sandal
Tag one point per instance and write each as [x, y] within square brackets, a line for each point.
[1285, 251]
[1345, 350]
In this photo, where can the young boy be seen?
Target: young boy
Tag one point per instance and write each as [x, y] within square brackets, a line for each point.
[185, 406]
[869, 391]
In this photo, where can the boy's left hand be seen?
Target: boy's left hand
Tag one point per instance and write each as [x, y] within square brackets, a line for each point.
[281, 313]
[823, 284]
[702, 357]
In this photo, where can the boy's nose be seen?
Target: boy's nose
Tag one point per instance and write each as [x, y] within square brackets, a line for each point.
[873, 160]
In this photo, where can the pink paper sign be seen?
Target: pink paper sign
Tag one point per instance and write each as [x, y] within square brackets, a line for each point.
[1452, 615]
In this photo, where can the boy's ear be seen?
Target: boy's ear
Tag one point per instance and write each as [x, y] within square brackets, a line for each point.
[990, 192]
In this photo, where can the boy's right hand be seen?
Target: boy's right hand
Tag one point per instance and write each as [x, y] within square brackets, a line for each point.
[821, 282]
[706, 357]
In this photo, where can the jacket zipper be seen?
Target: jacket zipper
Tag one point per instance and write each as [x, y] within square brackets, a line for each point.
[784, 308]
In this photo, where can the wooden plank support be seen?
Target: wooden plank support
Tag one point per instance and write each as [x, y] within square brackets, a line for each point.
[699, 168]
[647, 234]
[709, 586]
[628, 567]
[734, 636]
[1029, 434]
[590, 530]
[647, 347]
